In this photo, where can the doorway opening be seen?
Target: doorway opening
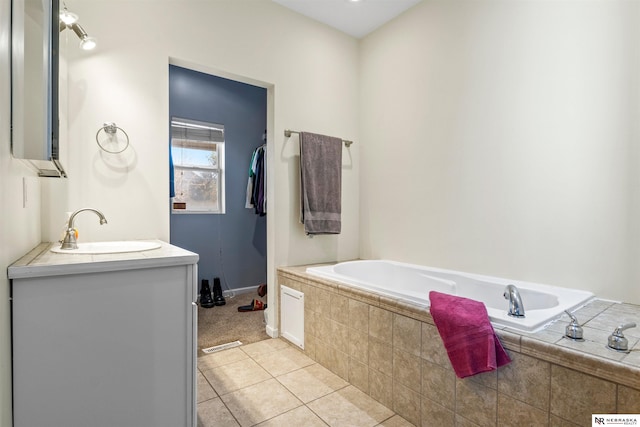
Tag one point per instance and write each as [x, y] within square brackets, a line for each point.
[218, 128]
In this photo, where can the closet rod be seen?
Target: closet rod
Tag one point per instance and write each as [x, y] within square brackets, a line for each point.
[288, 132]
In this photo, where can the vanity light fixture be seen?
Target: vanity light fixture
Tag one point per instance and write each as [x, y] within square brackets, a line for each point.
[67, 17]
[70, 20]
[86, 42]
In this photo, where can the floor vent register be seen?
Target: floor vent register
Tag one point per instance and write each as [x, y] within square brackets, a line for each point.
[221, 347]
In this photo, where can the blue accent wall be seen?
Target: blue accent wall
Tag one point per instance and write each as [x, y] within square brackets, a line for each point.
[233, 245]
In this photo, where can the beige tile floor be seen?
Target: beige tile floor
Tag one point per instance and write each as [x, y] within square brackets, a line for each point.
[272, 384]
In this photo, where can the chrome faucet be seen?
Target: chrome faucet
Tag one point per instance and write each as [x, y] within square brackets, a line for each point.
[617, 340]
[516, 308]
[69, 242]
[574, 329]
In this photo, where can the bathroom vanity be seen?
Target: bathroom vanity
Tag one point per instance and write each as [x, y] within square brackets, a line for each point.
[104, 340]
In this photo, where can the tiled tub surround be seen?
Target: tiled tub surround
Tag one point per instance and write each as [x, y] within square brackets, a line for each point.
[391, 350]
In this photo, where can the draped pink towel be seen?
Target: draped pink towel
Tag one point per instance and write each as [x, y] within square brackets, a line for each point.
[471, 343]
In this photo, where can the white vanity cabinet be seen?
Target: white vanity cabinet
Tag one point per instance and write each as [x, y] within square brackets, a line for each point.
[104, 340]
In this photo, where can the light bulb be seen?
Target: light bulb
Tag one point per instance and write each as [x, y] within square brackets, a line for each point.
[88, 43]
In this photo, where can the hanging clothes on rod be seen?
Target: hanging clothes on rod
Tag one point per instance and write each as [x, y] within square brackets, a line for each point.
[256, 196]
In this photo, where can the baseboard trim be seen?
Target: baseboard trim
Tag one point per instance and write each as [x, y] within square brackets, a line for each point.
[272, 332]
[228, 293]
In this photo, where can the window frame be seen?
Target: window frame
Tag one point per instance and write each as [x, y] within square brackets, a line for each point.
[199, 141]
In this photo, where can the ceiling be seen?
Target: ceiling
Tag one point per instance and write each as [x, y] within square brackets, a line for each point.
[356, 18]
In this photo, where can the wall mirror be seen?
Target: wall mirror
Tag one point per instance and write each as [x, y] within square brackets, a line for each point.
[35, 91]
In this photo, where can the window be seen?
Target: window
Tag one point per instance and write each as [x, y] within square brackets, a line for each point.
[197, 150]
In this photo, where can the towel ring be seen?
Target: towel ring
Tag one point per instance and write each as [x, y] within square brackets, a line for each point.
[110, 128]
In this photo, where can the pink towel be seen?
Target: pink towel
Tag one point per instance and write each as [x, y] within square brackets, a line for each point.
[472, 344]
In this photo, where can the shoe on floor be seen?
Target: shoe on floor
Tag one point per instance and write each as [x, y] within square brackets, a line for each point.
[206, 301]
[218, 299]
[262, 289]
[255, 305]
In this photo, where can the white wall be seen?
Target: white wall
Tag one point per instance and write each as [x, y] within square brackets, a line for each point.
[500, 137]
[19, 224]
[497, 137]
[310, 69]
[634, 91]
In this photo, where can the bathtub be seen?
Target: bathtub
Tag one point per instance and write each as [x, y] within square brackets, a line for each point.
[543, 304]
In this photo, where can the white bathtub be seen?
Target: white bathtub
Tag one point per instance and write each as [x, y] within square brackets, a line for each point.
[542, 303]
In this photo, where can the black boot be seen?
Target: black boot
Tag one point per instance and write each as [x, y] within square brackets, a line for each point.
[218, 299]
[205, 295]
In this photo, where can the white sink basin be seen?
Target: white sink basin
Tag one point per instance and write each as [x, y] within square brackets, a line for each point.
[108, 247]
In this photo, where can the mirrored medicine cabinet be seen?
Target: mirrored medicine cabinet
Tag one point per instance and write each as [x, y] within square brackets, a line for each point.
[35, 91]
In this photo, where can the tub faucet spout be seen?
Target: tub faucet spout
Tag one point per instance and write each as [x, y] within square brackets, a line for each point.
[69, 241]
[516, 308]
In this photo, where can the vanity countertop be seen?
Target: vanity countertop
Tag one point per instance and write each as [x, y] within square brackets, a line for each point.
[40, 261]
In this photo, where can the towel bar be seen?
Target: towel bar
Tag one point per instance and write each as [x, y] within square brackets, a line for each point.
[288, 132]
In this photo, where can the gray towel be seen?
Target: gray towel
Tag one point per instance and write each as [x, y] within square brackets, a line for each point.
[321, 183]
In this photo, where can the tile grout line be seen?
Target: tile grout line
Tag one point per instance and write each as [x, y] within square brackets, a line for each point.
[299, 369]
[316, 414]
[317, 398]
[251, 385]
[306, 404]
[242, 388]
[210, 385]
[271, 376]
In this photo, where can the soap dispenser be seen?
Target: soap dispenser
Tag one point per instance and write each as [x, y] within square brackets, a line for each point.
[573, 329]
